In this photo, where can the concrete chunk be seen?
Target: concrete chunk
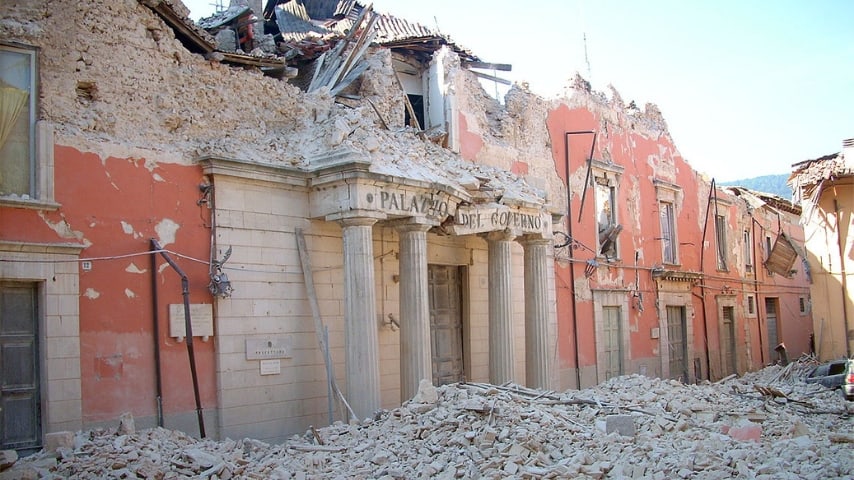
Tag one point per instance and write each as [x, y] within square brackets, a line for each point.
[7, 458]
[621, 424]
[57, 440]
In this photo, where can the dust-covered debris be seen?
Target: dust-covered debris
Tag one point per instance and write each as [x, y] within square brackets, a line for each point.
[629, 427]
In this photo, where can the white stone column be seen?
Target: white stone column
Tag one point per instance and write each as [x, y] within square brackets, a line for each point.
[416, 360]
[360, 317]
[538, 365]
[501, 353]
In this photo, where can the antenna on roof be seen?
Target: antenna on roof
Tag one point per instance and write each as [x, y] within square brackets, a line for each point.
[218, 6]
[436, 21]
[587, 60]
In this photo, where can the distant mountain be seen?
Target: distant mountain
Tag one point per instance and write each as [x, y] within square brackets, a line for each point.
[775, 184]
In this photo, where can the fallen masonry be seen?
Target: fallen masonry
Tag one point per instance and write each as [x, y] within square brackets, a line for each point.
[628, 427]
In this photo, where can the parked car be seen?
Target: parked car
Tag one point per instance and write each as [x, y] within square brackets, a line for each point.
[835, 374]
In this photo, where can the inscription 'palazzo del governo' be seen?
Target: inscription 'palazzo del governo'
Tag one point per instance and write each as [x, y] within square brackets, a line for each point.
[468, 220]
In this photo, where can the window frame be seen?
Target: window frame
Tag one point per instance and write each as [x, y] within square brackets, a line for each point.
[669, 252]
[747, 251]
[667, 193]
[602, 182]
[750, 305]
[41, 142]
[721, 242]
[31, 109]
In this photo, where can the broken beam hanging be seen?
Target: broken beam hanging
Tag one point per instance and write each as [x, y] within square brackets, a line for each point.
[504, 67]
[490, 77]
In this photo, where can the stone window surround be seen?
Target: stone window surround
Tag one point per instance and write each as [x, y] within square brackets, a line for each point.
[54, 268]
[666, 192]
[747, 311]
[720, 207]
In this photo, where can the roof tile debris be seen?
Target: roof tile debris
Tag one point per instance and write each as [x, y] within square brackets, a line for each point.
[756, 199]
[809, 174]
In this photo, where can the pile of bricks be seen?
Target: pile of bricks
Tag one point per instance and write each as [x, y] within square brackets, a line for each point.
[629, 427]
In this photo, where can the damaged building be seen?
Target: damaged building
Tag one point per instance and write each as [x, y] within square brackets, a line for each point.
[241, 234]
[824, 188]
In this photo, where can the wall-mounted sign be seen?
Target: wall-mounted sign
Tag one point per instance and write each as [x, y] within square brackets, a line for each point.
[267, 348]
[471, 220]
[201, 320]
[271, 367]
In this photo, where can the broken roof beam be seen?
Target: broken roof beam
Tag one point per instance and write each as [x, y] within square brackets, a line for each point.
[504, 67]
[493, 78]
[336, 69]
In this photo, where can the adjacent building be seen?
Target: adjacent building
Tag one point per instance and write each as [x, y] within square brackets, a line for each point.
[824, 188]
[245, 243]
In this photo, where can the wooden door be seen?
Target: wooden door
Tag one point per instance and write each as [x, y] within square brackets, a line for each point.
[612, 344]
[728, 350]
[446, 325]
[678, 342]
[20, 419]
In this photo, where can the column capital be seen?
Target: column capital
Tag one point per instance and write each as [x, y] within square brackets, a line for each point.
[507, 235]
[356, 218]
[534, 240]
[412, 224]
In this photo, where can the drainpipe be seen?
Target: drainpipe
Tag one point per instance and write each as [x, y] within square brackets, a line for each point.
[156, 317]
[185, 291]
[571, 256]
[756, 296]
[712, 190]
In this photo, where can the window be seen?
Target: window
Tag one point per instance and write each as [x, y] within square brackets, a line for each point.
[803, 305]
[768, 246]
[720, 231]
[668, 233]
[751, 305]
[606, 218]
[748, 257]
[417, 104]
[18, 96]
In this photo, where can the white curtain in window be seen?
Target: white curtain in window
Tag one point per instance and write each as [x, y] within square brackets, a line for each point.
[12, 102]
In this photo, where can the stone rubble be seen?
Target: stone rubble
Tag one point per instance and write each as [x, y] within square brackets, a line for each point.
[628, 427]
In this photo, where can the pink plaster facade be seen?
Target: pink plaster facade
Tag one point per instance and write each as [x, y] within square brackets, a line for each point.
[727, 304]
[112, 207]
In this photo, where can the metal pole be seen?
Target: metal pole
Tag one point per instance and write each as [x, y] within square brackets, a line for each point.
[156, 317]
[185, 291]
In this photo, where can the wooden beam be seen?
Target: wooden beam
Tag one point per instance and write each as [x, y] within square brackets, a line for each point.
[490, 77]
[504, 67]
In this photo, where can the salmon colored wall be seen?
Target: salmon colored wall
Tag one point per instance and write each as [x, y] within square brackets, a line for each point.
[470, 143]
[562, 120]
[116, 205]
[644, 159]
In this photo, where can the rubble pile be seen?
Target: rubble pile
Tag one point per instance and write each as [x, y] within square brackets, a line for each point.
[767, 425]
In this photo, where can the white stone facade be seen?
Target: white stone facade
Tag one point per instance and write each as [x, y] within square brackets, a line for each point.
[376, 313]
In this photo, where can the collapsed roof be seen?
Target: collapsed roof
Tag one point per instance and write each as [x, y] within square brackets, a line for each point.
[810, 174]
[354, 129]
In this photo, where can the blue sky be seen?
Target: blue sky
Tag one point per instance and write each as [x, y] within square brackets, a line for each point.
[747, 87]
